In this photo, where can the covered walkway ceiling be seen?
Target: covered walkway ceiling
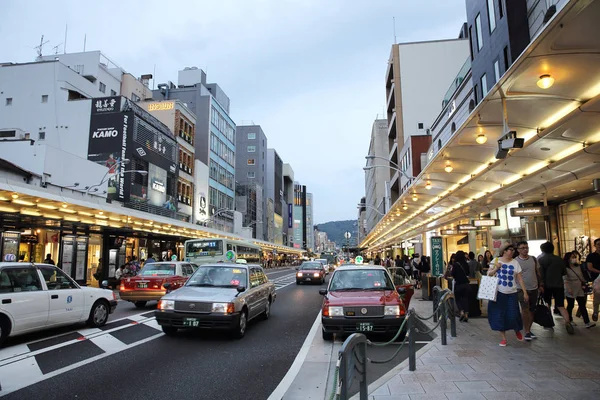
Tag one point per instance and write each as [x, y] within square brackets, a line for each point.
[560, 125]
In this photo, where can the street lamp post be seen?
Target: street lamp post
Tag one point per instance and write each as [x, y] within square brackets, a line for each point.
[347, 235]
[390, 167]
[371, 207]
[370, 157]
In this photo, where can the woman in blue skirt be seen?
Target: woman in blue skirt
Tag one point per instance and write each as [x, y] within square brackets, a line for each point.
[504, 313]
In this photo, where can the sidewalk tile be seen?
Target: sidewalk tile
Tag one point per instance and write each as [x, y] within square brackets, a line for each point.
[425, 368]
[463, 360]
[512, 375]
[382, 391]
[435, 360]
[510, 386]
[583, 384]
[491, 367]
[545, 384]
[503, 396]
[468, 353]
[405, 388]
[457, 368]
[426, 396]
[465, 396]
[481, 376]
[580, 373]
[548, 374]
[475, 386]
[581, 395]
[542, 395]
[440, 387]
[401, 397]
[418, 378]
[452, 376]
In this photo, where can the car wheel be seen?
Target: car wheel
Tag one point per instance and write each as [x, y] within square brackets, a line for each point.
[169, 330]
[4, 328]
[99, 314]
[267, 312]
[327, 335]
[240, 330]
[140, 304]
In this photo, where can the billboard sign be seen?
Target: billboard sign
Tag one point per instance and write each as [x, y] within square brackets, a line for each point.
[437, 256]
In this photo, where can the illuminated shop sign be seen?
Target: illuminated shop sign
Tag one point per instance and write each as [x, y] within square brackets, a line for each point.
[486, 222]
[162, 106]
[528, 211]
[467, 228]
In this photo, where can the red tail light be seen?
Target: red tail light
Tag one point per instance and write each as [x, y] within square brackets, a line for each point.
[122, 287]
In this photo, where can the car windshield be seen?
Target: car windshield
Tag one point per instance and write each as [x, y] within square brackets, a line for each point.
[360, 279]
[312, 266]
[219, 277]
[153, 269]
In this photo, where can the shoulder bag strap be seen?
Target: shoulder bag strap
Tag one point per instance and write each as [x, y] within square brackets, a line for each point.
[577, 275]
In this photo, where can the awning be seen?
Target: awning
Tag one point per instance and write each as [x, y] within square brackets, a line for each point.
[560, 125]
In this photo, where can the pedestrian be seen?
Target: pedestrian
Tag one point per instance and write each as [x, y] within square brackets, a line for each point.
[574, 290]
[49, 260]
[377, 260]
[552, 271]
[462, 287]
[593, 266]
[487, 259]
[531, 277]
[150, 259]
[474, 265]
[398, 261]
[504, 313]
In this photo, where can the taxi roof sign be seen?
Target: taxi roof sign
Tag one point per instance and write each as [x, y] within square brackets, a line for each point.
[358, 260]
[230, 255]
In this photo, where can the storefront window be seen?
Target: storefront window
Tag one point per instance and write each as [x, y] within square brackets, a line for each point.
[579, 226]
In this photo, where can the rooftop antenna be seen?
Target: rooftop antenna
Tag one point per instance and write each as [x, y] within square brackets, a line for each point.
[394, 21]
[39, 48]
[65, 42]
[84, 39]
[56, 48]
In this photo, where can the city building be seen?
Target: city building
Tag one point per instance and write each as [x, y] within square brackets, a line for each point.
[377, 201]
[249, 202]
[299, 217]
[251, 167]
[274, 190]
[308, 223]
[361, 230]
[416, 79]
[288, 198]
[214, 143]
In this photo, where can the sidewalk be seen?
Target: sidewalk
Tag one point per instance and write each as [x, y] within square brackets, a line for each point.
[472, 366]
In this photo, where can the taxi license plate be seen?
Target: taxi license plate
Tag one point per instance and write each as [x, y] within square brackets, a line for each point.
[191, 322]
[364, 327]
[142, 285]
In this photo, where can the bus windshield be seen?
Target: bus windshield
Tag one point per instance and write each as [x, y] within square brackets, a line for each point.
[204, 248]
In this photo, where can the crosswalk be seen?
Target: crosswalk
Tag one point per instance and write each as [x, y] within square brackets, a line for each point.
[283, 281]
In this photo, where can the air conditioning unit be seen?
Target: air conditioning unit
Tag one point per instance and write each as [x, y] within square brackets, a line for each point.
[14, 134]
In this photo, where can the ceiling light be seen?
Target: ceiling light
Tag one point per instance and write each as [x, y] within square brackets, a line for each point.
[397, 214]
[47, 206]
[481, 139]
[64, 205]
[415, 198]
[100, 212]
[23, 202]
[405, 207]
[448, 168]
[65, 210]
[428, 185]
[87, 214]
[545, 81]
[15, 196]
[31, 212]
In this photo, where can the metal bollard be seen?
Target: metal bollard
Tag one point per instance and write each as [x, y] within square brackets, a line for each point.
[453, 318]
[443, 322]
[436, 298]
[412, 354]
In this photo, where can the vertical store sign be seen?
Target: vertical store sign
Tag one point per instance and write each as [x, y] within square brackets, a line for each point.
[437, 256]
[290, 216]
[110, 135]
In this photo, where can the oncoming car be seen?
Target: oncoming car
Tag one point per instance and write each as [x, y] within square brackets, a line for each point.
[218, 296]
[39, 296]
[361, 298]
[310, 271]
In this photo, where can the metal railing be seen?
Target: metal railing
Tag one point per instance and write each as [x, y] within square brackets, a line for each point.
[351, 367]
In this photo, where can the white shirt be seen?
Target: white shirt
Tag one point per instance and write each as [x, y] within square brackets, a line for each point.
[118, 273]
[506, 274]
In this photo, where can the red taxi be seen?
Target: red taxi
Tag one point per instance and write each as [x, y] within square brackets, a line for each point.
[362, 298]
[310, 271]
[148, 284]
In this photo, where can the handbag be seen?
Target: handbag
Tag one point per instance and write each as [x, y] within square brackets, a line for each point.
[542, 315]
[488, 288]
[585, 286]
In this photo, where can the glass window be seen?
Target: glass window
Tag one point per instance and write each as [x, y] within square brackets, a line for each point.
[484, 86]
[44, 98]
[263, 277]
[478, 32]
[251, 174]
[9, 101]
[102, 87]
[154, 269]
[19, 280]
[210, 275]
[251, 135]
[361, 279]
[497, 70]
[491, 15]
[251, 161]
[187, 270]
[254, 277]
[56, 279]
[251, 149]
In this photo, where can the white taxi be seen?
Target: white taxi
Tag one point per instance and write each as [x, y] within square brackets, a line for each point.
[40, 296]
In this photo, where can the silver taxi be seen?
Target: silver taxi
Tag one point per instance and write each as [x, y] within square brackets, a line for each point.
[218, 296]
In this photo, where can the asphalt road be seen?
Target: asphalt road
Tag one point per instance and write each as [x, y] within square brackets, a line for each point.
[198, 365]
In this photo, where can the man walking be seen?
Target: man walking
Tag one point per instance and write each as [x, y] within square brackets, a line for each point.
[530, 274]
[593, 266]
[552, 271]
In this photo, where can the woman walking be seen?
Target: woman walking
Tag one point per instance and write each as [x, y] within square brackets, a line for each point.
[460, 273]
[504, 313]
[487, 259]
[574, 290]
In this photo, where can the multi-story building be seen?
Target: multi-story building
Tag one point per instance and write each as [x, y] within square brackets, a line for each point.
[377, 179]
[299, 217]
[251, 167]
[416, 81]
[274, 190]
[192, 183]
[288, 211]
[214, 143]
[249, 202]
[361, 231]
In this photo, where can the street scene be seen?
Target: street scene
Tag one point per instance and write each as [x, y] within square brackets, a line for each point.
[185, 213]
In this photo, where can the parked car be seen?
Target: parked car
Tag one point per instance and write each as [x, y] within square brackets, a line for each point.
[310, 271]
[39, 296]
[218, 296]
[402, 280]
[361, 298]
[148, 284]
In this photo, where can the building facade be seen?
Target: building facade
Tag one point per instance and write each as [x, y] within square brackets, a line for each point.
[377, 179]
[274, 190]
[214, 144]
[288, 211]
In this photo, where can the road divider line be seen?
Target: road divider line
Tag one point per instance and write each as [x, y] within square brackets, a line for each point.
[289, 377]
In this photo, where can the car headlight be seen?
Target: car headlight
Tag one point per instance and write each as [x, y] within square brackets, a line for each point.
[391, 310]
[166, 305]
[316, 274]
[336, 311]
[299, 274]
[225, 308]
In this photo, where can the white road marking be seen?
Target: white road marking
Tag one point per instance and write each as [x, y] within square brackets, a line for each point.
[19, 375]
[289, 377]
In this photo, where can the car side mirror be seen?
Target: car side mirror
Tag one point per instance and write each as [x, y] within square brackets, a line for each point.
[322, 292]
[167, 286]
[104, 284]
[401, 290]
[241, 289]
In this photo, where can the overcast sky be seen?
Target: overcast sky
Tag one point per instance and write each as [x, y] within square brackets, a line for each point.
[310, 72]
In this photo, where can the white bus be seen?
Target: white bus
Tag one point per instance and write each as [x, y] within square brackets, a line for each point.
[202, 251]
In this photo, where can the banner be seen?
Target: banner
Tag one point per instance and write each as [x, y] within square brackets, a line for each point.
[437, 256]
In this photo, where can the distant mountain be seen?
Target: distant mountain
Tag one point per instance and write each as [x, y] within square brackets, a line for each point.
[335, 231]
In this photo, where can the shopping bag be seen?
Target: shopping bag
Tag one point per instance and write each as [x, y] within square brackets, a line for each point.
[488, 288]
[543, 315]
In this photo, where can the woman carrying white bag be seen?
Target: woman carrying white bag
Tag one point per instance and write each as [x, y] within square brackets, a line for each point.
[504, 313]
